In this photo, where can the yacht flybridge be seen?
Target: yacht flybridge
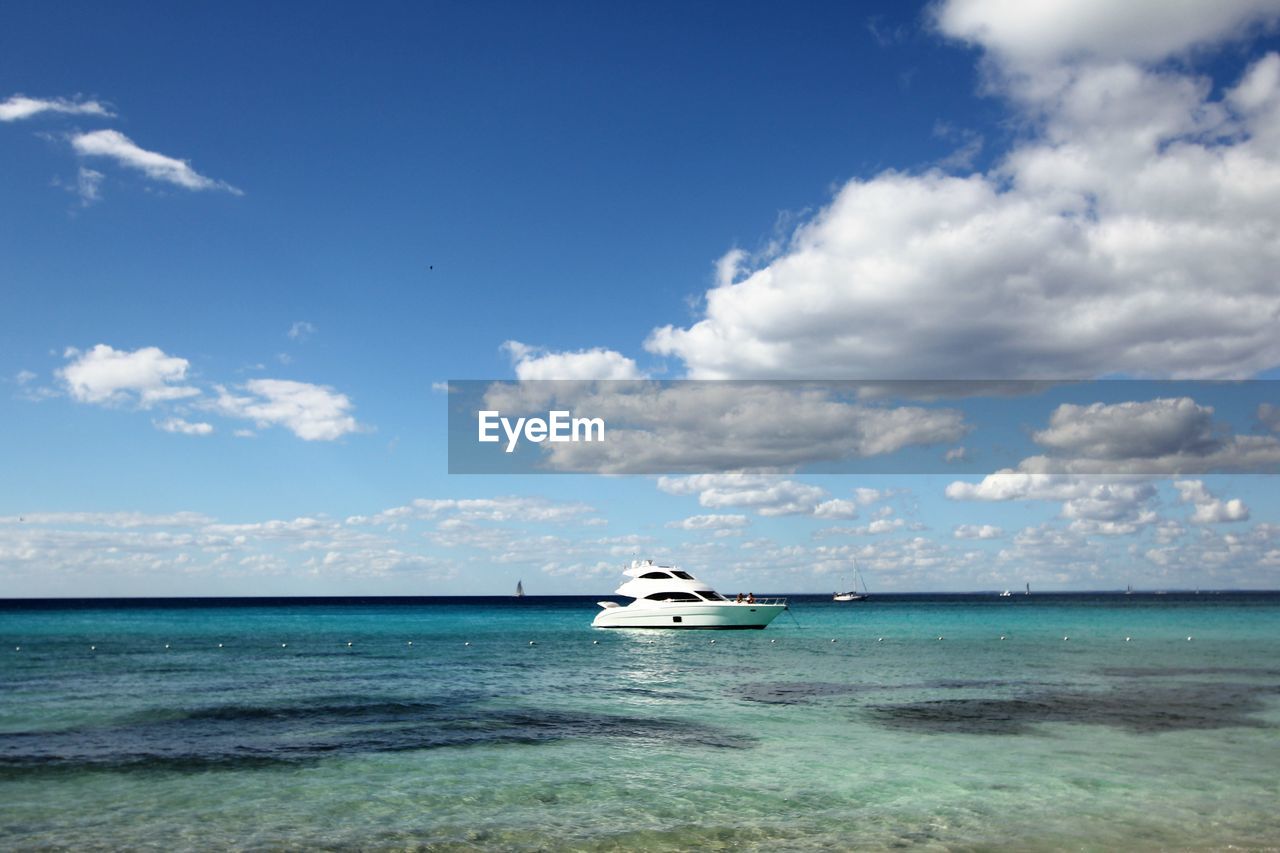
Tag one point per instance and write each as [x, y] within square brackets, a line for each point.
[667, 597]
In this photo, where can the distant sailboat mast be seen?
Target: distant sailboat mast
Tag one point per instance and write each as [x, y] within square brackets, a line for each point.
[520, 588]
[853, 594]
[1028, 592]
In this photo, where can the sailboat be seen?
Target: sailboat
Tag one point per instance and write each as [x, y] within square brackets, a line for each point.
[853, 594]
[520, 588]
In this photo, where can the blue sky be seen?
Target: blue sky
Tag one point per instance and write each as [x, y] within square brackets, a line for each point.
[241, 246]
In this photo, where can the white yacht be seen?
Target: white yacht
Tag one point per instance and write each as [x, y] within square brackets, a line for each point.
[667, 597]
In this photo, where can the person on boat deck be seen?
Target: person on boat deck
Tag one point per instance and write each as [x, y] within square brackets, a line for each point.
[739, 598]
[751, 598]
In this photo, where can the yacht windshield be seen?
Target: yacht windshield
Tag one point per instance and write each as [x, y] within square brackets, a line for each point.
[711, 595]
[673, 595]
[683, 575]
[655, 575]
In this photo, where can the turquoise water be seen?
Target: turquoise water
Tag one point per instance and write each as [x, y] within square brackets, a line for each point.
[288, 737]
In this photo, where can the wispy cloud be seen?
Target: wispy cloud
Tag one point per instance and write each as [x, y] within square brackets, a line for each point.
[114, 145]
[124, 519]
[301, 330]
[93, 550]
[710, 522]
[20, 107]
[88, 183]
[108, 144]
[886, 34]
[977, 531]
[184, 427]
[876, 528]
[311, 412]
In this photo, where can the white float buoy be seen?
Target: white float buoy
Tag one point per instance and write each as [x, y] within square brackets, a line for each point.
[17, 648]
[466, 644]
[595, 642]
[284, 645]
[773, 641]
[939, 637]
[1188, 639]
[166, 645]
[348, 645]
[712, 642]
[833, 639]
[93, 648]
[1127, 639]
[879, 639]
[219, 645]
[1064, 639]
[1002, 636]
[532, 643]
[411, 642]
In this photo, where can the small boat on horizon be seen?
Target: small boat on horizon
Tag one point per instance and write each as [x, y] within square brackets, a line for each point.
[1006, 594]
[520, 588]
[668, 597]
[853, 594]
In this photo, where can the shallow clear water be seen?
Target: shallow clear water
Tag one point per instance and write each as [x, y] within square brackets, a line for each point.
[288, 737]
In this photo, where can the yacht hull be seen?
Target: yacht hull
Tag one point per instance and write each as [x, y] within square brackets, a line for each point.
[724, 616]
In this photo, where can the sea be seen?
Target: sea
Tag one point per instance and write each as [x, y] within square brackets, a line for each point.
[922, 722]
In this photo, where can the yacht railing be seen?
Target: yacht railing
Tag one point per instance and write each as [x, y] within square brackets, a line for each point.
[781, 601]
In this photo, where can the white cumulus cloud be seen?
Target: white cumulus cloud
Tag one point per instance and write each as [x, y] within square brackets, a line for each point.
[1128, 430]
[109, 376]
[1167, 436]
[1134, 229]
[1209, 509]
[311, 412]
[1101, 505]
[1057, 31]
[536, 363]
[836, 508]
[769, 496]
[977, 531]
